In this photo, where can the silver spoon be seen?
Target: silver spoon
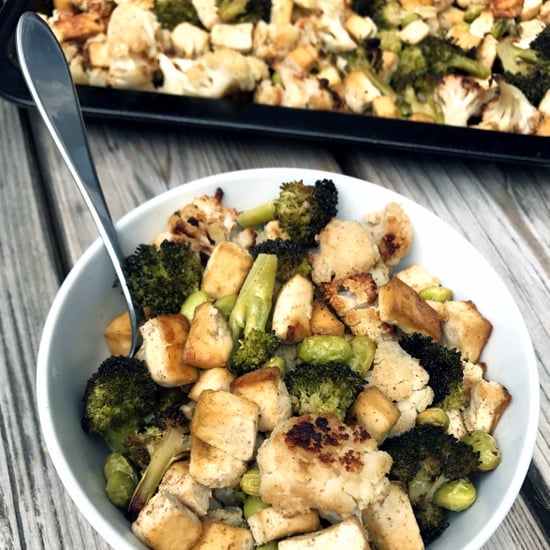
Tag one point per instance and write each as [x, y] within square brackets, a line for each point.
[48, 78]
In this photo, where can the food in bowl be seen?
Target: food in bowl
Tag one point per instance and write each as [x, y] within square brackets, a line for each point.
[293, 384]
[84, 476]
[479, 65]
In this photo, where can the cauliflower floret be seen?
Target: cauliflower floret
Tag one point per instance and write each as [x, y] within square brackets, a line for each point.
[510, 111]
[346, 247]
[204, 223]
[461, 98]
[359, 91]
[318, 462]
[393, 232]
[356, 291]
[215, 74]
[274, 41]
[401, 378]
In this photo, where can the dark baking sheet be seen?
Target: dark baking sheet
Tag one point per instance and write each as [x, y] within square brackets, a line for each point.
[280, 121]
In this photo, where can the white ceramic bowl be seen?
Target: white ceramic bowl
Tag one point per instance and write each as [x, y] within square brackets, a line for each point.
[72, 345]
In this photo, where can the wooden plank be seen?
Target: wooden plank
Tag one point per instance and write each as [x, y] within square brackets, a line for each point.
[35, 511]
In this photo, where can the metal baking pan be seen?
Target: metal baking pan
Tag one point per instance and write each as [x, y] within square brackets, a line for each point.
[270, 120]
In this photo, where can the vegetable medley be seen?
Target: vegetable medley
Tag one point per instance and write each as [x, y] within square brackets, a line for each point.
[295, 388]
[477, 63]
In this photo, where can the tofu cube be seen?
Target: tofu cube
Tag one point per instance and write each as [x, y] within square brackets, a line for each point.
[236, 36]
[213, 467]
[209, 342]
[400, 305]
[219, 281]
[292, 311]
[375, 412]
[346, 534]
[465, 328]
[270, 524]
[165, 523]
[324, 321]
[178, 482]
[164, 338]
[417, 277]
[227, 422]
[265, 388]
[118, 334]
[391, 523]
[217, 535]
[488, 401]
[218, 379]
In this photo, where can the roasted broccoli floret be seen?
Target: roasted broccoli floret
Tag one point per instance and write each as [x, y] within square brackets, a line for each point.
[253, 351]
[386, 14]
[173, 445]
[323, 388]
[421, 66]
[171, 13]
[162, 277]
[301, 210]
[526, 68]
[426, 460]
[244, 11]
[253, 343]
[443, 365]
[117, 399]
[291, 256]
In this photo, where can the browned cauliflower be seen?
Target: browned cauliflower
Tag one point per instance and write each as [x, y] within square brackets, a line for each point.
[318, 462]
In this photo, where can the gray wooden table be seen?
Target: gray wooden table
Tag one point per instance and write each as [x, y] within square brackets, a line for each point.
[44, 227]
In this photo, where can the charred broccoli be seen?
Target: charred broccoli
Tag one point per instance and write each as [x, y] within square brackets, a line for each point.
[171, 13]
[527, 68]
[173, 444]
[291, 256]
[117, 400]
[428, 461]
[160, 278]
[323, 388]
[386, 14]
[301, 210]
[443, 365]
[244, 11]
[253, 344]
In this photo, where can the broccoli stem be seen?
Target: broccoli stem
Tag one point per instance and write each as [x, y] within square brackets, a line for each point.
[230, 9]
[253, 305]
[171, 447]
[258, 215]
[470, 66]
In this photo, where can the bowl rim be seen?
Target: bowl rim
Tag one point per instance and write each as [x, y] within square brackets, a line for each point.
[54, 447]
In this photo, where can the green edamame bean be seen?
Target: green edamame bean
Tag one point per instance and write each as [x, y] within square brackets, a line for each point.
[487, 446]
[456, 495]
[362, 354]
[324, 349]
[121, 479]
[434, 416]
[250, 482]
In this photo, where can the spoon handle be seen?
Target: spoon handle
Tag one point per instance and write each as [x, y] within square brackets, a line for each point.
[48, 78]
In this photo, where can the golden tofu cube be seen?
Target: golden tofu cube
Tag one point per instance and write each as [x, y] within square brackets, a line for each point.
[219, 281]
[375, 412]
[488, 401]
[400, 305]
[179, 482]
[213, 467]
[118, 334]
[227, 422]
[391, 523]
[211, 379]
[165, 523]
[265, 388]
[270, 524]
[209, 342]
[217, 535]
[324, 322]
